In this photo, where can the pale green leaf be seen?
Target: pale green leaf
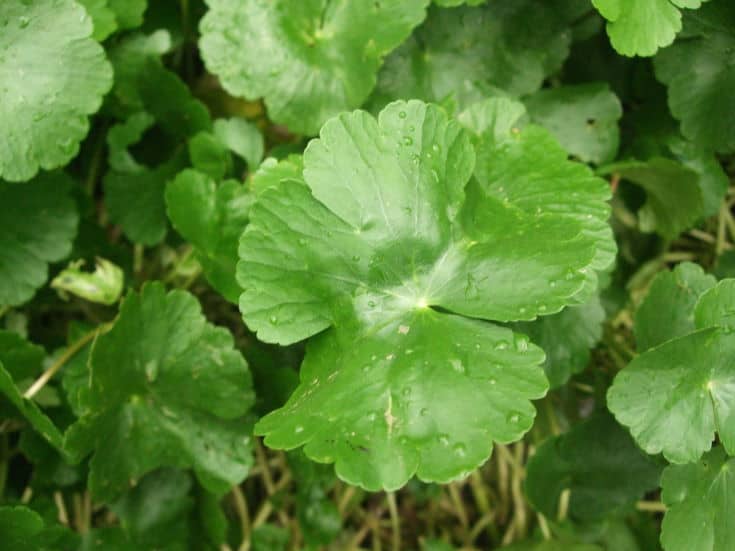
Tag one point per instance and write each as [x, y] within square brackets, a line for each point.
[641, 27]
[243, 138]
[54, 76]
[384, 237]
[322, 57]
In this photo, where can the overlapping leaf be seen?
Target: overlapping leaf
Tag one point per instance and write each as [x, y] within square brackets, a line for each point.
[583, 118]
[668, 309]
[176, 398]
[53, 77]
[322, 56]
[527, 168]
[675, 396]
[699, 498]
[469, 53]
[38, 222]
[699, 73]
[567, 338]
[211, 218]
[598, 462]
[134, 190]
[641, 27]
[673, 196]
[387, 243]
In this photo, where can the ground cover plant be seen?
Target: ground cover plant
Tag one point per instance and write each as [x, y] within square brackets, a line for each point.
[354, 274]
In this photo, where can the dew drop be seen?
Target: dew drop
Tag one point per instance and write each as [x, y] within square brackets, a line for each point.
[436, 147]
[492, 381]
[23, 21]
[371, 416]
[365, 368]
[443, 439]
[407, 140]
[521, 343]
[402, 114]
[460, 450]
[514, 418]
[371, 303]
[406, 391]
[302, 241]
[542, 308]
[298, 428]
[356, 258]
[502, 345]
[273, 320]
[424, 412]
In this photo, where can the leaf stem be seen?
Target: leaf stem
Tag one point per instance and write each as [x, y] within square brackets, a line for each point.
[241, 506]
[651, 506]
[68, 354]
[395, 521]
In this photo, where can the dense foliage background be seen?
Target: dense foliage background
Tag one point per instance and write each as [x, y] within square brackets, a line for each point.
[490, 309]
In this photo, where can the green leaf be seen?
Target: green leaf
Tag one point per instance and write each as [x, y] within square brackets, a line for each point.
[641, 27]
[716, 306]
[103, 18]
[209, 155]
[384, 239]
[166, 389]
[699, 498]
[583, 118]
[243, 138]
[162, 512]
[322, 56]
[528, 169]
[567, 338]
[104, 285]
[130, 57]
[269, 537]
[471, 53]
[675, 396]
[129, 13]
[21, 528]
[211, 218]
[674, 199]
[43, 107]
[598, 462]
[38, 223]
[21, 359]
[667, 311]
[699, 75]
[713, 180]
[273, 171]
[29, 410]
[134, 191]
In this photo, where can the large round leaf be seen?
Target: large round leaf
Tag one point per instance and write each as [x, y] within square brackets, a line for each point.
[53, 76]
[310, 59]
[388, 242]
